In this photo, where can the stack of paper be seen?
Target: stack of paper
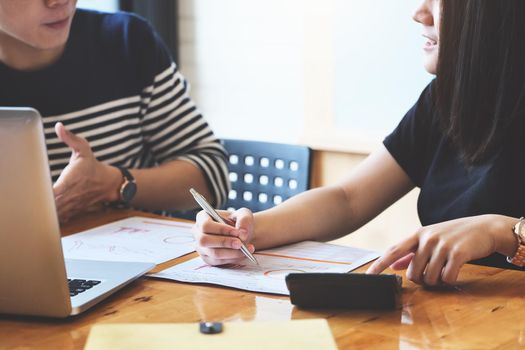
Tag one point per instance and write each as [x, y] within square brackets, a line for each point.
[275, 264]
[133, 239]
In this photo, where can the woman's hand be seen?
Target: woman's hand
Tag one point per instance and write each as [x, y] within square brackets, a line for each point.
[85, 181]
[220, 244]
[435, 253]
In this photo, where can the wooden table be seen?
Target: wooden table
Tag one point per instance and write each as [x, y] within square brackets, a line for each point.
[486, 310]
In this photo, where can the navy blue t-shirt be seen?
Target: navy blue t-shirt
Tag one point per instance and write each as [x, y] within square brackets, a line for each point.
[450, 189]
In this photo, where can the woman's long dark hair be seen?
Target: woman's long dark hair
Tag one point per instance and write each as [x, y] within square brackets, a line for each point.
[480, 83]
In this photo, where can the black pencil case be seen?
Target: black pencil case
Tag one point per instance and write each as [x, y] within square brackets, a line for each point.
[344, 290]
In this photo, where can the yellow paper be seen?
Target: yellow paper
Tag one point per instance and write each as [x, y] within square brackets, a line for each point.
[286, 335]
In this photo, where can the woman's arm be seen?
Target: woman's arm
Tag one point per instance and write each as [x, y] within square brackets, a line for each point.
[333, 211]
[319, 214]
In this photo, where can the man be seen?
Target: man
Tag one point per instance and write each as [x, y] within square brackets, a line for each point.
[116, 111]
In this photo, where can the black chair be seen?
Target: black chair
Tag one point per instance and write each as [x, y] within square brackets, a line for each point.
[264, 174]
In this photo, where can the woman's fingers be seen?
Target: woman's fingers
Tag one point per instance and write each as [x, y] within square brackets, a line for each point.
[243, 219]
[217, 241]
[402, 263]
[214, 262]
[416, 269]
[456, 259]
[393, 254]
[436, 253]
[433, 272]
[216, 257]
[221, 253]
[220, 244]
[205, 224]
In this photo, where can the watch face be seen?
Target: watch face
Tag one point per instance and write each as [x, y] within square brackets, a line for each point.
[127, 192]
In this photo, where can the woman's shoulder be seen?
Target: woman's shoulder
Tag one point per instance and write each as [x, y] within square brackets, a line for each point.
[422, 115]
[427, 99]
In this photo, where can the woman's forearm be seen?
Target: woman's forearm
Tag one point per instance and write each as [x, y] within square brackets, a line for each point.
[330, 212]
[319, 214]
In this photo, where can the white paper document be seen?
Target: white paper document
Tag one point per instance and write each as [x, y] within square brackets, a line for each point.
[275, 264]
[133, 239]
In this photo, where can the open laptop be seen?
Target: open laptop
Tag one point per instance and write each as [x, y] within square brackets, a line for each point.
[32, 267]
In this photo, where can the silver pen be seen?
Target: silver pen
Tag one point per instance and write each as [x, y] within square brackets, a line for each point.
[215, 216]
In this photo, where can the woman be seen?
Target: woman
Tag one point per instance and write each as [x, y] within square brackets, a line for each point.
[461, 144]
[120, 124]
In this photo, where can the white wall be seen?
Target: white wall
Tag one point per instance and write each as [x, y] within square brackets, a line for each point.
[335, 74]
[101, 5]
[245, 62]
[378, 64]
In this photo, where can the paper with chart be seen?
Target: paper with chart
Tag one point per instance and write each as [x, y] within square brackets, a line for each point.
[133, 239]
[275, 264]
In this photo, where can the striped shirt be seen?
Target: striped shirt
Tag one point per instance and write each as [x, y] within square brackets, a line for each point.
[117, 86]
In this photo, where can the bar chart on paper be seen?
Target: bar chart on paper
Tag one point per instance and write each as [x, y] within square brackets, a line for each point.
[132, 239]
[274, 265]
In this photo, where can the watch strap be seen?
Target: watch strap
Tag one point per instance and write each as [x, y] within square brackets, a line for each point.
[125, 172]
[128, 188]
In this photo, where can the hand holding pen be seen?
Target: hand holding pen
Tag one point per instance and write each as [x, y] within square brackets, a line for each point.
[219, 244]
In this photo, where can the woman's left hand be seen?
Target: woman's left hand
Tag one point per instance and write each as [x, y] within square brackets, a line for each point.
[436, 253]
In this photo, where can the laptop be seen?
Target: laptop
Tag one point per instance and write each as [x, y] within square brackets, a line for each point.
[34, 277]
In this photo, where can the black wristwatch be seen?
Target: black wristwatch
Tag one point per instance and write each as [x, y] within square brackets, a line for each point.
[128, 187]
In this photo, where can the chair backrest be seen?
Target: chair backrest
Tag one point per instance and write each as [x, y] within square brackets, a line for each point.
[264, 174]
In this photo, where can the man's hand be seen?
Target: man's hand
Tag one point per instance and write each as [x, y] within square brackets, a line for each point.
[85, 181]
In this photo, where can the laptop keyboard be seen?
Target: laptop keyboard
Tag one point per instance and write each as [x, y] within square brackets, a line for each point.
[77, 286]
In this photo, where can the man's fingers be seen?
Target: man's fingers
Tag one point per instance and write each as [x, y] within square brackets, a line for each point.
[76, 143]
[63, 213]
[59, 187]
[67, 207]
[393, 254]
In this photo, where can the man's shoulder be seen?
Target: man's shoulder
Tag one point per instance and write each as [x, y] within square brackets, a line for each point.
[120, 37]
[110, 25]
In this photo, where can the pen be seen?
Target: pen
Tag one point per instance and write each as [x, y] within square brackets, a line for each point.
[215, 216]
